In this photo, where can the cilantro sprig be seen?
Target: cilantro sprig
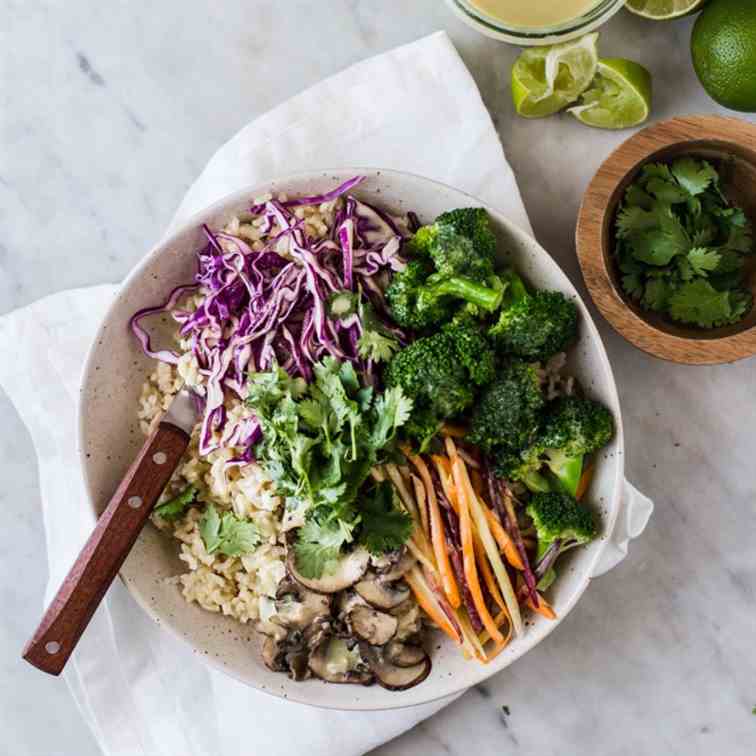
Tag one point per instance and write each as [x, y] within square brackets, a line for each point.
[227, 533]
[681, 247]
[320, 442]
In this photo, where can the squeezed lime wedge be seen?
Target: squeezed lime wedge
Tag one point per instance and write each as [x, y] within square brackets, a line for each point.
[547, 79]
[619, 96]
[663, 10]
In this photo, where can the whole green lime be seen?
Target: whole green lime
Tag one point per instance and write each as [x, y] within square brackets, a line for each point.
[723, 45]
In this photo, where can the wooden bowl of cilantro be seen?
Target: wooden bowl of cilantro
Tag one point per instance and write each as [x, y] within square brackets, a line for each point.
[665, 239]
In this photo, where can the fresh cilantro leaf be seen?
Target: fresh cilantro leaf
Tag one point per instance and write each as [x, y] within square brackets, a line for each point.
[636, 196]
[237, 537]
[729, 261]
[685, 269]
[656, 170]
[392, 409]
[695, 176]
[667, 191]
[175, 507]
[656, 294]
[385, 527]
[703, 260]
[631, 220]
[741, 302]
[318, 546]
[657, 246]
[228, 534]
[377, 347]
[699, 303]
[632, 283]
[209, 528]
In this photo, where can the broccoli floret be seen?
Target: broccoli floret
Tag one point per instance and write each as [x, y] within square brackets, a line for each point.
[402, 294]
[573, 428]
[473, 349]
[443, 267]
[561, 523]
[474, 224]
[432, 375]
[523, 467]
[534, 326]
[508, 411]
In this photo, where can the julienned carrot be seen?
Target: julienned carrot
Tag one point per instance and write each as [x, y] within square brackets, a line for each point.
[421, 501]
[506, 544]
[488, 576]
[469, 501]
[543, 608]
[453, 430]
[429, 603]
[468, 551]
[499, 619]
[585, 482]
[438, 537]
[451, 614]
[471, 637]
[443, 467]
[418, 535]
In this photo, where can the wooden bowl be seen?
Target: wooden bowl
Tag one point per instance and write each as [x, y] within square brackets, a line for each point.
[729, 142]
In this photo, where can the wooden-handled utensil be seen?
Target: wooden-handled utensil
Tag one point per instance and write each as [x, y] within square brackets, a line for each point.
[117, 529]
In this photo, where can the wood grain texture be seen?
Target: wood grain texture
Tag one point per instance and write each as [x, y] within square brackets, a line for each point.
[729, 141]
[102, 556]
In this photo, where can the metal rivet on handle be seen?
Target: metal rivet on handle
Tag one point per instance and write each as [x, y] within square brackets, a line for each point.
[52, 647]
[134, 502]
[159, 458]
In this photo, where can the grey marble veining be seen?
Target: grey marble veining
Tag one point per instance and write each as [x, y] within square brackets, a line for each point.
[109, 111]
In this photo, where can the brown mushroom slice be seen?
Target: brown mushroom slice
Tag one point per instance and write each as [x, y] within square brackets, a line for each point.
[326, 663]
[404, 654]
[274, 655]
[349, 570]
[391, 676]
[377, 628]
[380, 594]
[299, 608]
[400, 569]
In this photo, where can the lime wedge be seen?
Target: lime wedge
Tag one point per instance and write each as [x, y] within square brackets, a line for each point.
[618, 98]
[663, 10]
[547, 79]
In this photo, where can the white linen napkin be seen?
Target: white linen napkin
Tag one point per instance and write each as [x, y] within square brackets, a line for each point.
[141, 692]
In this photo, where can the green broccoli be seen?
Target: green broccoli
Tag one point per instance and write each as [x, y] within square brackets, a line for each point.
[444, 266]
[473, 349]
[438, 372]
[561, 523]
[534, 326]
[574, 427]
[508, 412]
[474, 224]
[520, 466]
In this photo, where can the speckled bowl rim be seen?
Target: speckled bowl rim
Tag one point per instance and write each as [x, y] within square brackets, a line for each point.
[475, 673]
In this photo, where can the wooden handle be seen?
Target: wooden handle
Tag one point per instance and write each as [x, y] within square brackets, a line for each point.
[99, 561]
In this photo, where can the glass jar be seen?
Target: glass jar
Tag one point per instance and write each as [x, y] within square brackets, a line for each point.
[526, 36]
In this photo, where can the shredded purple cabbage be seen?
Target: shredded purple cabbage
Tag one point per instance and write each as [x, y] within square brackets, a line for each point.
[261, 308]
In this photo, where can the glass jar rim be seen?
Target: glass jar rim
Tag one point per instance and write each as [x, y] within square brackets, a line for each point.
[596, 16]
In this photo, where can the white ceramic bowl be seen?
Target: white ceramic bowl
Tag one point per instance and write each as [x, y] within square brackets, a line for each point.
[110, 436]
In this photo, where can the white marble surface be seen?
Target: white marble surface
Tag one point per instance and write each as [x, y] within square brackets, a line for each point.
[109, 110]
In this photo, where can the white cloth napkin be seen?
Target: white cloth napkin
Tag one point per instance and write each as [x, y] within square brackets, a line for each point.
[141, 692]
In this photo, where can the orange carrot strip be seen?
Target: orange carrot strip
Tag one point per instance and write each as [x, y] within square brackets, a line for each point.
[471, 638]
[420, 499]
[428, 602]
[476, 512]
[444, 473]
[488, 576]
[585, 482]
[437, 534]
[506, 544]
[457, 431]
[543, 608]
[499, 619]
[468, 552]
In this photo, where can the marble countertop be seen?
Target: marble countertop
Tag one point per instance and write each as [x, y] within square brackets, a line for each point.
[109, 112]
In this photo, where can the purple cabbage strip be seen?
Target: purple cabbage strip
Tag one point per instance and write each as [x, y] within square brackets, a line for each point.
[513, 529]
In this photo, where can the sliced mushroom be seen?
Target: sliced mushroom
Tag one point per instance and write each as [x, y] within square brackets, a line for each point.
[321, 664]
[288, 655]
[274, 655]
[297, 607]
[405, 563]
[377, 628]
[403, 654]
[380, 594]
[391, 676]
[348, 571]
